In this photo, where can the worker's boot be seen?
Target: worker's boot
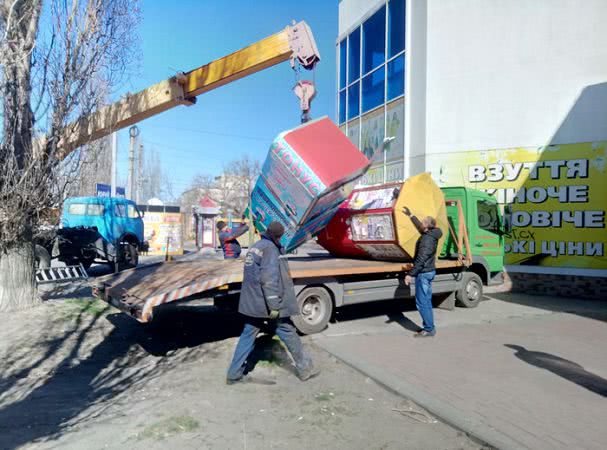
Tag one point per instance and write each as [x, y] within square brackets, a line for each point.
[424, 333]
[309, 372]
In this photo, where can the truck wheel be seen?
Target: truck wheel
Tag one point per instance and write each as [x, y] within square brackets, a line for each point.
[315, 310]
[43, 259]
[129, 257]
[470, 294]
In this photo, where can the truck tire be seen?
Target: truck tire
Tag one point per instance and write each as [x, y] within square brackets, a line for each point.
[129, 256]
[470, 294]
[315, 310]
[43, 258]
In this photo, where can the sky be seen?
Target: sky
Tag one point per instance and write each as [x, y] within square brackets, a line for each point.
[239, 118]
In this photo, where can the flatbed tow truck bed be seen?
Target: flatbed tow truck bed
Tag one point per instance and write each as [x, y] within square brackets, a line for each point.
[138, 291]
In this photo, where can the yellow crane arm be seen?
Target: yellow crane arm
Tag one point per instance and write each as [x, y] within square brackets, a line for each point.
[295, 43]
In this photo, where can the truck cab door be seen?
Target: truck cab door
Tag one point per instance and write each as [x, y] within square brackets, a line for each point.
[485, 229]
[135, 222]
[119, 220]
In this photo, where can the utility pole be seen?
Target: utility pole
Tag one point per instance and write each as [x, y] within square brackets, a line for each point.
[114, 169]
[139, 174]
[133, 133]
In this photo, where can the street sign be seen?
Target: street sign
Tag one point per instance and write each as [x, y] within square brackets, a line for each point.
[105, 190]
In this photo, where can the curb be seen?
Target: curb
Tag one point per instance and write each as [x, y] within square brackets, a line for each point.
[471, 424]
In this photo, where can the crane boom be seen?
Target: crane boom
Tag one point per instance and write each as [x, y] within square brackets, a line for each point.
[295, 43]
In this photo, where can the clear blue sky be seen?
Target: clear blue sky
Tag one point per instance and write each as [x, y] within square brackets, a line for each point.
[242, 117]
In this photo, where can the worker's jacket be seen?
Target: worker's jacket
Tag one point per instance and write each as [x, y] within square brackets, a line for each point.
[267, 284]
[229, 244]
[425, 249]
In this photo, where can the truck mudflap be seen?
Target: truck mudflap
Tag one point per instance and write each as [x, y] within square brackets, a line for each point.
[138, 291]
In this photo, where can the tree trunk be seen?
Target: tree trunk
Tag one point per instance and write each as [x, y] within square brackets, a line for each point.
[17, 279]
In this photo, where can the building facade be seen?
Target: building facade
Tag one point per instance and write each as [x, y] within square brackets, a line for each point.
[509, 96]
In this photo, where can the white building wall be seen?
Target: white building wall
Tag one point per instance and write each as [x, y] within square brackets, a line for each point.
[507, 73]
[353, 12]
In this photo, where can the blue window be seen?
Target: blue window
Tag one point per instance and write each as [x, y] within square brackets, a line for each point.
[342, 64]
[374, 39]
[354, 56]
[353, 101]
[373, 89]
[396, 77]
[342, 106]
[396, 27]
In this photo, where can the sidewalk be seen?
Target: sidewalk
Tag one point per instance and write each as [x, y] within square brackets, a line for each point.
[511, 374]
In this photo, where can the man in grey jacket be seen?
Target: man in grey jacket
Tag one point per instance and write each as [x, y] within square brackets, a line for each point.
[267, 295]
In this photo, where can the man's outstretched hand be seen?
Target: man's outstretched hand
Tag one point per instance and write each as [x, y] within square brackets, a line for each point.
[408, 280]
[406, 211]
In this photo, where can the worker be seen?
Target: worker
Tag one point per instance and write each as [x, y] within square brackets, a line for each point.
[267, 296]
[228, 238]
[424, 270]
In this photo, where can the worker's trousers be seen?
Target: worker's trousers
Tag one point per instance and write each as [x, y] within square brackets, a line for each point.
[423, 298]
[284, 329]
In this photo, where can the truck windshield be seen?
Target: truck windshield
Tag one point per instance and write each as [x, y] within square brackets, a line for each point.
[488, 217]
[85, 209]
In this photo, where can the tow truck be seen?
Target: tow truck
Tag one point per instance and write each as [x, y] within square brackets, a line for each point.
[324, 283]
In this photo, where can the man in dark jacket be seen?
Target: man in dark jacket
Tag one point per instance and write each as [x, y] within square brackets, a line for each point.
[227, 238]
[424, 270]
[267, 295]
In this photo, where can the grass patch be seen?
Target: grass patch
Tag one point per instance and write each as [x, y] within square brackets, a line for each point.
[324, 396]
[73, 307]
[168, 427]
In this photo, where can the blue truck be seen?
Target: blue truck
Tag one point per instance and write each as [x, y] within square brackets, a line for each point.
[95, 229]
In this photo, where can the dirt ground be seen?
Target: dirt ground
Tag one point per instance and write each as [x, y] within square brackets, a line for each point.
[78, 374]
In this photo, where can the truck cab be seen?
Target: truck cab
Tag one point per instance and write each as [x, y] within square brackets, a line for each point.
[486, 229]
[105, 228]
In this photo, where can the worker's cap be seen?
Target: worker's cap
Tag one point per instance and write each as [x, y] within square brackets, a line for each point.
[221, 225]
[275, 230]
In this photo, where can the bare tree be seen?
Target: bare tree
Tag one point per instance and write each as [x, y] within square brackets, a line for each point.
[52, 72]
[156, 182]
[231, 190]
[95, 166]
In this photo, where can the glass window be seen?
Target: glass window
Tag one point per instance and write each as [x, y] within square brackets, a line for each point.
[374, 37]
[353, 101]
[396, 27]
[396, 77]
[354, 56]
[488, 218]
[353, 132]
[133, 213]
[395, 171]
[395, 127]
[372, 227]
[342, 106]
[120, 210]
[372, 134]
[77, 209]
[94, 209]
[342, 64]
[373, 89]
[375, 175]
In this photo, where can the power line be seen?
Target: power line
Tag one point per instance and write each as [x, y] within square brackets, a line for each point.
[216, 133]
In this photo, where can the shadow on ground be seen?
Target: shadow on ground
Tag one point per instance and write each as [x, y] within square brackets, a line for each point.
[399, 311]
[80, 362]
[592, 309]
[563, 368]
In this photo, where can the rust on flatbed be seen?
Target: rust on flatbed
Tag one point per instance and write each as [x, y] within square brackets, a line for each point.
[138, 291]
